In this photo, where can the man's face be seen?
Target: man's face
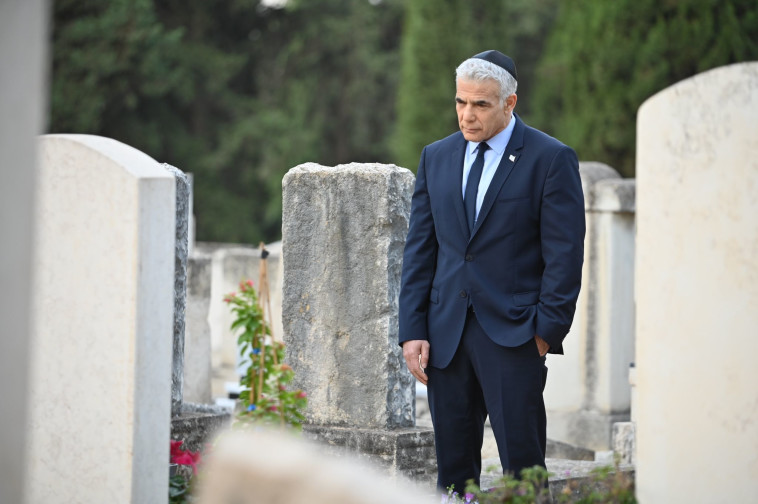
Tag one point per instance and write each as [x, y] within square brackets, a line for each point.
[480, 115]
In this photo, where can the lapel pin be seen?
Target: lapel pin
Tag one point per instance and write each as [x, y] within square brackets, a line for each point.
[512, 158]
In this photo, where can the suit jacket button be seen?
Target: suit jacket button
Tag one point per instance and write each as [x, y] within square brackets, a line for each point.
[469, 257]
[463, 293]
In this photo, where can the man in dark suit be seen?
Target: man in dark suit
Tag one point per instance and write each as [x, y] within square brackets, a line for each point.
[491, 273]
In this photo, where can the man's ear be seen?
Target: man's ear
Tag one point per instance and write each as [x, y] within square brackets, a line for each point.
[510, 103]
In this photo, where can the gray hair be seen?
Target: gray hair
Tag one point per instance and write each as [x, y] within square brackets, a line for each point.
[478, 70]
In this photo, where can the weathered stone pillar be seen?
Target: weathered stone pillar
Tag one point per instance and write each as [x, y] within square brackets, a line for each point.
[697, 289]
[181, 253]
[343, 234]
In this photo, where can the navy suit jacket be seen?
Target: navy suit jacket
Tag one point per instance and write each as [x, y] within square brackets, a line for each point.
[520, 268]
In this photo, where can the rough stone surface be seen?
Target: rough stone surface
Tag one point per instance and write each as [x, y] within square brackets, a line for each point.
[623, 442]
[400, 452]
[198, 424]
[559, 450]
[697, 289]
[103, 318]
[343, 232]
[181, 245]
[197, 337]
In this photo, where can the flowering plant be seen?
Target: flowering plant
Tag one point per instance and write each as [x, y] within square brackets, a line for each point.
[265, 396]
[179, 484]
[606, 485]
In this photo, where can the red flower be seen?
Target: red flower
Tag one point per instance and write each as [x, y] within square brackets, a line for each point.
[176, 449]
[184, 457]
[229, 297]
[249, 283]
[273, 408]
[189, 458]
[301, 395]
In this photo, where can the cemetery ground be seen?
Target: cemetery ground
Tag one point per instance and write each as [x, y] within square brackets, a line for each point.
[118, 302]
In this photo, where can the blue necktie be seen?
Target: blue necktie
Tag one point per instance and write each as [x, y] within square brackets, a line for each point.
[472, 186]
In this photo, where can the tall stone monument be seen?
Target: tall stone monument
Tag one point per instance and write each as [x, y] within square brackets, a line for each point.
[344, 231]
[697, 289]
[103, 300]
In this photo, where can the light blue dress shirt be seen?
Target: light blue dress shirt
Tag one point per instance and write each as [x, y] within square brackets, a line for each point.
[492, 158]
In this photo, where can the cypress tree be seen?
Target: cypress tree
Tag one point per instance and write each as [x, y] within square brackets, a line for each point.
[604, 59]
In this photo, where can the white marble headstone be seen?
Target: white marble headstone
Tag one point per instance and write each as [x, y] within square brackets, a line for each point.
[697, 289]
[103, 302]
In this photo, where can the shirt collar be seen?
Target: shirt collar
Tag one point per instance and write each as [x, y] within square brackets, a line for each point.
[499, 142]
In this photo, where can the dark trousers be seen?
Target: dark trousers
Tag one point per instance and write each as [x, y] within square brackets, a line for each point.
[483, 378]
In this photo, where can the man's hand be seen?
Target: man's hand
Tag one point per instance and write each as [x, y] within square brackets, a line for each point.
[416, 353]
[542, 345]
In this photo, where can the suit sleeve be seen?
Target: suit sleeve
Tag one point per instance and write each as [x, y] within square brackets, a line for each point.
[562, 228]
[419, 260]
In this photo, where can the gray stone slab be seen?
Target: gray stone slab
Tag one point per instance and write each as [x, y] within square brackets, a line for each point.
[401, 452]
[343, 232]
[197, 425]
[559, 450]
[181, 245]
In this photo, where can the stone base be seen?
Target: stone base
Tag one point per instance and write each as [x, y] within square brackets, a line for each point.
[588, 429]
[198, 424]
[405, 453]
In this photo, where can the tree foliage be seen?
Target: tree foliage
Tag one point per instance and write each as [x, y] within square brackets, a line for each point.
[232, 92]
[604, 59]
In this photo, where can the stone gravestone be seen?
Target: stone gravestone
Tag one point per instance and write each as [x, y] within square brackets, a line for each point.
[103, 303]
[343, 234]
[195, 424]
[697, 289]
[181, 253]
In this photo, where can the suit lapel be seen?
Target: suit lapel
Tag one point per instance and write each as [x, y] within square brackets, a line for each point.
[457, 168]
[509, 160]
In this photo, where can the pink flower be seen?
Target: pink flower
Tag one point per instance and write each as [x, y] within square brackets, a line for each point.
[184, 457]
[229, 297]
[273, 408]
[301, 395]
[176, 449]
[189, 458]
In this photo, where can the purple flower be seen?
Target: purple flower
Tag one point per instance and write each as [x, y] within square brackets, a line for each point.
[469, 497]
